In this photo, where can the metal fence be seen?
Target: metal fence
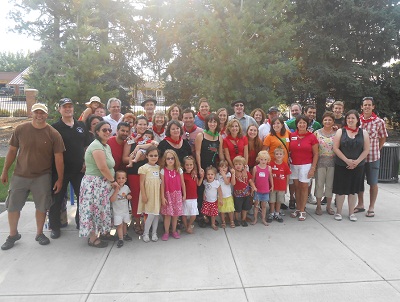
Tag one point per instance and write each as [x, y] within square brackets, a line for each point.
[13, 106]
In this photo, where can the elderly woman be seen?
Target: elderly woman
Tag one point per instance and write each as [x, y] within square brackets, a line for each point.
[173, 140]
[91, 123]
[94, 205]
[255, 145]
[259, 115]
[235, 143]
[222, 114]
[141, 125]
[159, 123]
[304, 154]
[326, 163]
[351, 146]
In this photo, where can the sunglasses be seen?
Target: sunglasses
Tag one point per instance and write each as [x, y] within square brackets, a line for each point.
[106, 130]
[170, 158]
[236, 149]
[239, 105]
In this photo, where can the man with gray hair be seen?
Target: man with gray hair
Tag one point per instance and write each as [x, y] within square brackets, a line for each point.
[115, 116]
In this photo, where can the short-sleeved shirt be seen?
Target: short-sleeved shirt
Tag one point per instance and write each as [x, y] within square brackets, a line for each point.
[36, 149]
[191, 137]
[226, 189]
[301, 148]
[191, 186]
[280, 173]
[117, 151]
[326, 156]
[233, 152]
[91, 167]
[376, 129]
[121, 205]
[242, 187]
[272, 142]
[245, 121]
[339, 122]
[76, 139]
[199, 122]
[211, 190]
[291, 124]
[264, 130]
[314, 126]
[113, 123]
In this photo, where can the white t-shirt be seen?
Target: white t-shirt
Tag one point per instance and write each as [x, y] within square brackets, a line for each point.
[211, 190]
[121, 205]
[226, 189]
[264, 130]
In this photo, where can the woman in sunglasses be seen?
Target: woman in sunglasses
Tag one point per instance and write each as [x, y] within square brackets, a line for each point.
[94, 205]
[235, 143]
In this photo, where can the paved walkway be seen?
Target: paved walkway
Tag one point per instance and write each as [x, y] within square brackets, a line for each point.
[316, 260]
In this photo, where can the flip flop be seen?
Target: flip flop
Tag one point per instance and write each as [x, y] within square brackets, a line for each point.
[370, 214]
[359, 210]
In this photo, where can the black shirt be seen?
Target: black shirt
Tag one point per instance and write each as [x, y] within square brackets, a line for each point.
[76, 139]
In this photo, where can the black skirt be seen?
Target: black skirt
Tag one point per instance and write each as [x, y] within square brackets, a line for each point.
[347, 181]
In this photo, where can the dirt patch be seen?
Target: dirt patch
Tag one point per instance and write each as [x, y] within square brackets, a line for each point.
[7, 126]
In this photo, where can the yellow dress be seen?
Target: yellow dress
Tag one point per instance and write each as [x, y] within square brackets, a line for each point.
[152, 188]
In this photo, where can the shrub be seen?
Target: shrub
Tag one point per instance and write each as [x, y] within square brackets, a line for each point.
[4, 113]
[20, 113]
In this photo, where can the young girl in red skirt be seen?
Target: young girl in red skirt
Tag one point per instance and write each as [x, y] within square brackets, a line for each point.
[212, 196]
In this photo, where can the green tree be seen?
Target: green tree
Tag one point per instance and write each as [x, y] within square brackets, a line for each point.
[14, 62]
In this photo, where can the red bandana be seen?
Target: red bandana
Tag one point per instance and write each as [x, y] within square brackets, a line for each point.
[236, 139]
[158, 132]
[187, 131]
[200, 117]
[176, 142]
[368, 120]
[351, 130]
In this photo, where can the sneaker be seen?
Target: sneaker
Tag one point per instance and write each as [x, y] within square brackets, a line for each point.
[146, 238]
[311, 199]
[10, 242]
[353, 217]
[120, 243]
[154, 237]
[270, 218]
[176, 235]
[278, 217]
[42, 239]
[165, 237]
[127, 237]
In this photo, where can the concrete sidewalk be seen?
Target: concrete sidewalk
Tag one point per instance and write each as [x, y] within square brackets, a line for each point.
[319, 259]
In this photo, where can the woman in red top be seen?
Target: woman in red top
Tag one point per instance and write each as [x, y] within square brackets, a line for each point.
[304, 155]
[255, 145]
[235, 144]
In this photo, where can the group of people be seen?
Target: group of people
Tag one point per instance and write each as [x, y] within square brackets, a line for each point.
[187, 166]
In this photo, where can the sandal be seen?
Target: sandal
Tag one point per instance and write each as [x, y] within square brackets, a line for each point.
[359, 210]
[318, 211]
[223, 225]
[295, 214]
[330, 211]
[137, 229]
[370, 214]
[302, 216]
[232, 224]
[214, 227]
[100, 244]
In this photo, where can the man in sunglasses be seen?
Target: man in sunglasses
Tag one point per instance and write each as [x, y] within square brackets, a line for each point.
[34, 145]
[244, 119]
[76, 139]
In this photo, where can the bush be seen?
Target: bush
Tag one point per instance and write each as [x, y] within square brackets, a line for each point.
[20, 113]
[4, 113]
[18, 98]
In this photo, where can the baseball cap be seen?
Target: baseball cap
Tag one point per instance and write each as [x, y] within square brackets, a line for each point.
[64, 101]
[39, 106]
[273, 109]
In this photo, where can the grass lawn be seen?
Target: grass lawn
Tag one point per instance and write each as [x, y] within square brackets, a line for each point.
[4, 188]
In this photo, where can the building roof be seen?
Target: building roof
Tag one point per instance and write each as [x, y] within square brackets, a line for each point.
[6, 77]
[19, 79]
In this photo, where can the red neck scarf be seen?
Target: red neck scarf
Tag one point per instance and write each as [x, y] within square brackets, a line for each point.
[368, 120]
[158, 132]
[176, 142]
[269, 121]
[351, 130]
[200, 117]
[236, 139]
[193, 129]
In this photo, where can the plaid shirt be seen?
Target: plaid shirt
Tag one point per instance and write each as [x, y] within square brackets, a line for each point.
[376, 130]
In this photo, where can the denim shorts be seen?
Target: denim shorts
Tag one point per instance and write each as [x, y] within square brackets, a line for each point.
[261, 196]
[372, 172]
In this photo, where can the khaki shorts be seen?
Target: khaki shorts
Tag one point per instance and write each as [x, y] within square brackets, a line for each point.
[40, 187]
[277, 196]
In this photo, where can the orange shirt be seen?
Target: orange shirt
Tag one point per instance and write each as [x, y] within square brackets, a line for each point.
[272, 142]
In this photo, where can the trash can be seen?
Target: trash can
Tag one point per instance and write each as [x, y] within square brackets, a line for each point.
[389, 165]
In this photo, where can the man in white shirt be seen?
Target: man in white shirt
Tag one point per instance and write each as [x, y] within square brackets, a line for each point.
[265, 128]
[115, 116]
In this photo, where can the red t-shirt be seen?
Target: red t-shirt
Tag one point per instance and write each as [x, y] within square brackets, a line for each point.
[117, 150]
[279, 175]
[242, 187]
[301, 148]
[191, 186]
[239, 151]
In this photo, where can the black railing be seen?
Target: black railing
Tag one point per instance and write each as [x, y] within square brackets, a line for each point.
[13, 106]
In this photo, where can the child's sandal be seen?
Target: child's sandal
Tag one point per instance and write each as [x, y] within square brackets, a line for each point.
[214, 227]
[223, 225]
[232, 224]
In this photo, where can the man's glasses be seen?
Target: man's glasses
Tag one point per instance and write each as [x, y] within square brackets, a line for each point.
[106, 130]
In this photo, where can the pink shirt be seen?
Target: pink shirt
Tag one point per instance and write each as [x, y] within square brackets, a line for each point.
[261, 180]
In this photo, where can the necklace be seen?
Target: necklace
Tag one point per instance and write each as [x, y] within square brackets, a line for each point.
[171, 173]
